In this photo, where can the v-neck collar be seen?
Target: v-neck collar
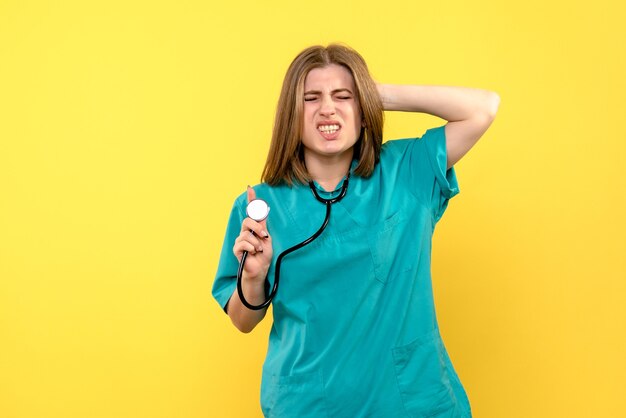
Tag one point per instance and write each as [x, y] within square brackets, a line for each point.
[321, 190]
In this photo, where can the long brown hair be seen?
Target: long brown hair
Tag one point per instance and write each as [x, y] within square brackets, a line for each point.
[285, 160]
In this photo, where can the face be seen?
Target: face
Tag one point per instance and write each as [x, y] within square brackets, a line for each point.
[332, 116]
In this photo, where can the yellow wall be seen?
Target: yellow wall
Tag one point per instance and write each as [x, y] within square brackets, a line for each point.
[128, 128]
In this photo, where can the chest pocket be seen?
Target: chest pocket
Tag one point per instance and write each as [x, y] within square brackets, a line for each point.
[386, 242]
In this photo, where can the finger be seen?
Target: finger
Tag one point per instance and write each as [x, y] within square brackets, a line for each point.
[251, 197]
[242, 246]
[258, 228]
[251, 194]
[252, 239]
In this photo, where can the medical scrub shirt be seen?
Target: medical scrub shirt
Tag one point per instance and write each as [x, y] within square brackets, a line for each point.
[355, 332]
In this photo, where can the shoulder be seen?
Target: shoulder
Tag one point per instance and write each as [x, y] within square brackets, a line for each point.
[404, 142]
[396, 148]
[272, 194]
[266, 189]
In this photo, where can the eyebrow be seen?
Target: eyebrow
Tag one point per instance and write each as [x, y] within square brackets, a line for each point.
[332, 92]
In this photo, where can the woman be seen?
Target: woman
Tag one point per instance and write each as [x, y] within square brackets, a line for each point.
[354, 332]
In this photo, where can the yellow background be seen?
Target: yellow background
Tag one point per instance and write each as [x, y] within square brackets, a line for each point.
[128, 128]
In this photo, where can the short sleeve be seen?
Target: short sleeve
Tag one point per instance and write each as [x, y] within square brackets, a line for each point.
[226, 275]
[427, 170]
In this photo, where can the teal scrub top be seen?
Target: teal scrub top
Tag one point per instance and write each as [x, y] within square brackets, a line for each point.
[355, 332]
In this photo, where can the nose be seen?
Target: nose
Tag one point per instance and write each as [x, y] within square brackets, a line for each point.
[327, 107]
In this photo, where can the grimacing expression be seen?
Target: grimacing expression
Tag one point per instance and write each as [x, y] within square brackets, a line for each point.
[332, 115]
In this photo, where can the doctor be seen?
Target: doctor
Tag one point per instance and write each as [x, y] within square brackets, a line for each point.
[354, 329]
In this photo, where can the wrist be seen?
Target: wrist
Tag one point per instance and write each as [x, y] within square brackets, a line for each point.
[383, 94]
[254, 280]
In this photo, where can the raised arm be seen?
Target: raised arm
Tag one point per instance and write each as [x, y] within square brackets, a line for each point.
[469, 111]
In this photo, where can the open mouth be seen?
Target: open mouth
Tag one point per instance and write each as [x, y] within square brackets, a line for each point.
[328, 129]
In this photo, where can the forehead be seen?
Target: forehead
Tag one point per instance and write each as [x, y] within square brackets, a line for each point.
[330, 77]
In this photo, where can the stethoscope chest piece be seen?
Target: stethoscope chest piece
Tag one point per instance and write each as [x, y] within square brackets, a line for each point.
[258, 209]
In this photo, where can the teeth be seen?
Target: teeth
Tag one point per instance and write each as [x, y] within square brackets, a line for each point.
[331, 129]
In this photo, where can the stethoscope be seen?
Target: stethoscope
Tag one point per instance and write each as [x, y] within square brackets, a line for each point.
[258, 210]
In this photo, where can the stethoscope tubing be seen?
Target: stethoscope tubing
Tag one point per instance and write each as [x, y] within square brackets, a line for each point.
[279, 259]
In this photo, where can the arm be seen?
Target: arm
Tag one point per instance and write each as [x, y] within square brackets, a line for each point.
[469, 112]
[243, 318]
[259, 248]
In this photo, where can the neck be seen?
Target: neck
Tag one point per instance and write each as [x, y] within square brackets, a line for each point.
[328, 172]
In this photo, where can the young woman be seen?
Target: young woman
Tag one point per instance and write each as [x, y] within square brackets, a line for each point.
[355, 332]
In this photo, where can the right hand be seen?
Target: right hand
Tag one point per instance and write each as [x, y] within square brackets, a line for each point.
[255, 239]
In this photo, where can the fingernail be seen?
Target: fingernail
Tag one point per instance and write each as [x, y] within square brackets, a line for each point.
[265, 234]
[260, 249]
